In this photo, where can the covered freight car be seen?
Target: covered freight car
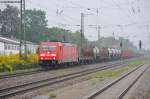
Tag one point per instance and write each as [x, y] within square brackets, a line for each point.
[126, 53]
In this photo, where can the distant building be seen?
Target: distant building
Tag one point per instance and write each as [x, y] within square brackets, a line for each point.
[11, 46]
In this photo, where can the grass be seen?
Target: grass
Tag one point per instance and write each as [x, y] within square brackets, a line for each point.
[100, 76]
[135, 63]
[110, 73]
[131, 97]
[52, 95]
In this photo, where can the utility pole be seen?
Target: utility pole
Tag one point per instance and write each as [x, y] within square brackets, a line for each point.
[99, 32]
[98, 35]
[113, 41]
[22, 25]
[82, 29]
[24, 28]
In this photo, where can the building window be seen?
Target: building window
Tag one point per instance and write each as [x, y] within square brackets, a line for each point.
[18, 47]
[9, 47]
[5, 47]
[14, 47]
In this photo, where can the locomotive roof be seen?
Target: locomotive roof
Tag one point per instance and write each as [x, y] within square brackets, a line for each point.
[59, 43]
[69, 44]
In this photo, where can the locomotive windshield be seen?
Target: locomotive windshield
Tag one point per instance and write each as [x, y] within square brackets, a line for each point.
[52, 48]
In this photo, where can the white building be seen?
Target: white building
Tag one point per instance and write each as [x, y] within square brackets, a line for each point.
[1, 48]
[11, 46]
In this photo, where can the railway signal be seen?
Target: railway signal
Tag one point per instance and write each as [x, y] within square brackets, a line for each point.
[140, 44]
[121, 44]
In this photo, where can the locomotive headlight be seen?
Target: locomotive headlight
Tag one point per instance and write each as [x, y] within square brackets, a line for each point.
[42, 54]
[53, 54]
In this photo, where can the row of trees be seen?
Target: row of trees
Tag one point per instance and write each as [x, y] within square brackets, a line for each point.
[9, 21]
[37, 28]
[36, 23]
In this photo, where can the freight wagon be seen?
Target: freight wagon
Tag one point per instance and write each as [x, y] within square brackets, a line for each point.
[126, 53]
[57, 53]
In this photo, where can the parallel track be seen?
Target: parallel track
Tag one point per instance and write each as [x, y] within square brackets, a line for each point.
[21, 74]
[31, 72]
[22, 88]
[129, 87]
[98, 92]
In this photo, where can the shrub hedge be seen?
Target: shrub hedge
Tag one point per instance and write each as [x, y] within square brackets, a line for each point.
[13, 62]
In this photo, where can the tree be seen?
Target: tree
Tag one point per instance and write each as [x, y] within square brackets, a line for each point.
[36, 24]
[9, 21]
[59, 34]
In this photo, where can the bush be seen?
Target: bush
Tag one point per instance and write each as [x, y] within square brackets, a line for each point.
[13, 62]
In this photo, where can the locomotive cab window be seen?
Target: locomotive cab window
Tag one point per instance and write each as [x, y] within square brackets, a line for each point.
[52, 48]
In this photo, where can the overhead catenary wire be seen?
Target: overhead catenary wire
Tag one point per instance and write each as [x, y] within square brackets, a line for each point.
[71, 18]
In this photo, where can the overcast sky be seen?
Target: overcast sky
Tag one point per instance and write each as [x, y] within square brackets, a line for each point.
[126, 18]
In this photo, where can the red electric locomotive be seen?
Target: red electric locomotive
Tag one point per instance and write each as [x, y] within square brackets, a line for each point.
[51, 53]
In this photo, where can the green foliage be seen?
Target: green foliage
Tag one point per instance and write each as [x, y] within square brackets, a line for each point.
[117, 72]
[52, 95]
[9, 18]
[110, 73]
[58, 34]
[135, 63]
[37, 30]
[13, 62]
[36, 24]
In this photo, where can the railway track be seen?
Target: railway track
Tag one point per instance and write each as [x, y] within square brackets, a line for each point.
[121, 95]
[22, 88]
[30, 72]
[21, 74]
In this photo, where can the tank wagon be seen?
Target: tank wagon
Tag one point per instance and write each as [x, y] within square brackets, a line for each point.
[88, 54]
[104, 54]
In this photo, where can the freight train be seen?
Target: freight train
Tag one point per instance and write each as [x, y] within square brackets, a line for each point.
[57, 53]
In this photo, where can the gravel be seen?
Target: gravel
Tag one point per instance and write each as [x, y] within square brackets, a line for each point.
[141, 89]
[40, 91]
[52, 73]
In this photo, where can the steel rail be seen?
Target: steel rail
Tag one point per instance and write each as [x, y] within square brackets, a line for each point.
[101, 90]
[21, 74]
[33, 72]
[10, 91]
[131, 85]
